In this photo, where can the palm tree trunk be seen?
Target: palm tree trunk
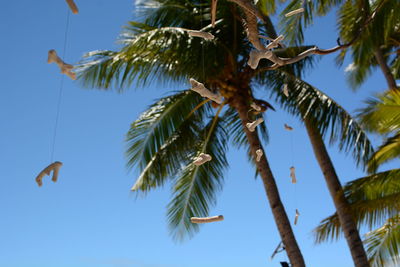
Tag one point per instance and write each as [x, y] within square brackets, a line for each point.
[335, 188]
[278, 210]
[385, 69]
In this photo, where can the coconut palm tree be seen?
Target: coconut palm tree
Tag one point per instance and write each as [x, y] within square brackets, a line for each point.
[374, 199]
[164, 140]
[368, 30]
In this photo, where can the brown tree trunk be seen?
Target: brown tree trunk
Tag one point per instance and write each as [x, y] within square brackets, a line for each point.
[278, 210]
[335, 188]
[385, 69]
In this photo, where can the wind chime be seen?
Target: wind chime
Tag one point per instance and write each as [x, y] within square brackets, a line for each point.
[66, 69]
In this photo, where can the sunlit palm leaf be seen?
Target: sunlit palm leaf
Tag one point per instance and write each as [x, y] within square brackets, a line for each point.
[383, 243]
[196, 186]
[382, 114]
[160, 139]
[389, 150]
[372, 199]
[332, 120]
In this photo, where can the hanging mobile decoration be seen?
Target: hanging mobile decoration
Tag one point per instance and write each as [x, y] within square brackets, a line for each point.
[294, 12]
[201, 159]
[259, 153]
[204, 92]
[213, 11]
[255, 107]
[287, 127]
[64, 67]
[72, 6]
[296, 217]
[55, 167]
[293, 174]
[252, 125]
[207, 219]
[285, 90]
[275, 42]
[201, 34]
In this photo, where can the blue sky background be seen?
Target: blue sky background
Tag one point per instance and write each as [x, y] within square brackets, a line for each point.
[89, 218]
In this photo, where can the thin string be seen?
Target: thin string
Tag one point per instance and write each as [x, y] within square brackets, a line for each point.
[293, 164]
[61, 89]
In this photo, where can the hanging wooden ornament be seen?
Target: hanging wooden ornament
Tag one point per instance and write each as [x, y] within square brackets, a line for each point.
[72, 6]
[294, 12]
[255, 107]
[275, 42]
[256, 55]
[207, 219]
[213, 11]
[293, 175]
[285, 90]
[204, 92]
[201, 159]
[252, 125]
[287, 127]
[296, 217]
[55, 167]
[259, 153]
[201, 34]
[64, 67]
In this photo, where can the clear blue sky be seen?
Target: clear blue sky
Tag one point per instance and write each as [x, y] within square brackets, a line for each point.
[89, 218]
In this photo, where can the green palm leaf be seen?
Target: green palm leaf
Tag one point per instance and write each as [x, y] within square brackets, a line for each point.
[389, 150]
[161, 137]
[196, 186]
[373, 199]
[332, 120]
[383, 244]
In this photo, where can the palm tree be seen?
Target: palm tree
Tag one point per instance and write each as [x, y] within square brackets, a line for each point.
[382, 115]
[374, 199]
[166, 137]
[369, 30]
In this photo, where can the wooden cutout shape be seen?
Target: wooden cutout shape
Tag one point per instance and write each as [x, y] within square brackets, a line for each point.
[64, 67]
[294, 12]
[204, 92]
[55, 167]
[201, 159]
[296, 217]
[201, 34]
[293, 175]
[256, 55]
[259, 153]
[252, 125]
[275, 43]
[207, 219]
[72, 6]
[287, 127]
[285, 90]
[255, 107]
[213, 11]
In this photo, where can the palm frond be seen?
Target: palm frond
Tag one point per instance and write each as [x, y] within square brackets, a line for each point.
[389, 150]
[161, 137]
[372, 199]
[196, 187]
[293, 26]
[150, 54]
[382, 244]
[332, 120]
[382, 113]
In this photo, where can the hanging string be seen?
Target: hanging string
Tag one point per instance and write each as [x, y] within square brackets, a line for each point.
[60, 90]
